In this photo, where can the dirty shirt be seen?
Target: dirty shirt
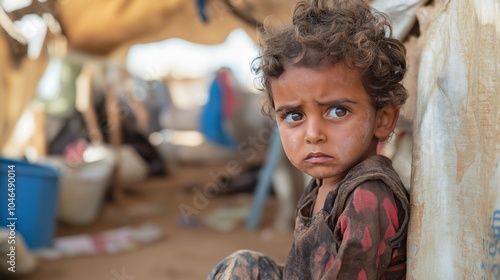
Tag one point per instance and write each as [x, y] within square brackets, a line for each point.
[359, 234]
[361, 231]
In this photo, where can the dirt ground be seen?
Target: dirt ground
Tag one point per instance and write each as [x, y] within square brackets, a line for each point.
[183, 252]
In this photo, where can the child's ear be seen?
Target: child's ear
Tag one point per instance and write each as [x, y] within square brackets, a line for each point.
[385, 121]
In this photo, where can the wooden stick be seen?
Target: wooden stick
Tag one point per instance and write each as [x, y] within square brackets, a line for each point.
[84, 101]
[39, 139]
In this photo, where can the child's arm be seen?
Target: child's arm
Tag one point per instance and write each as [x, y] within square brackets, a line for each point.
[368, 221]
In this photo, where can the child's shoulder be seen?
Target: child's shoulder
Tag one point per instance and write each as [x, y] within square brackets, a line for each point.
[372, 194]
[373, 182]
[373, 173]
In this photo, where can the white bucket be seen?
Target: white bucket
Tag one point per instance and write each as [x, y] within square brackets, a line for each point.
[83, 186]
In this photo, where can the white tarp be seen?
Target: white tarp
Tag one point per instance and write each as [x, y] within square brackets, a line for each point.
[455, 197]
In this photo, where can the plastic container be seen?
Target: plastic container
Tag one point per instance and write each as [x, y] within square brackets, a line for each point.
[36, 195]
[83, 186]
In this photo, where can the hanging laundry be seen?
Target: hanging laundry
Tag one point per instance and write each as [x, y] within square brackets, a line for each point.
[200, 4]
[212, 115]
[230, 99]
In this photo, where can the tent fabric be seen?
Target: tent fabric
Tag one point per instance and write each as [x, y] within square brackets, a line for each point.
[455, 190]
[102, 27]
[109, 28]
[17, 87]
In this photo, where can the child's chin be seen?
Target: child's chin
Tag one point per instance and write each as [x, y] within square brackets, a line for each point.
[319, 173]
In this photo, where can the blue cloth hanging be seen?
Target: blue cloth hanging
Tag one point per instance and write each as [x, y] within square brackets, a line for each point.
[212, 117]
[200, 4]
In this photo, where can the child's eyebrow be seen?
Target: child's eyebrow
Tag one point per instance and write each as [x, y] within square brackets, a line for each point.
[287, 108]
[337, 102]
[331, 103]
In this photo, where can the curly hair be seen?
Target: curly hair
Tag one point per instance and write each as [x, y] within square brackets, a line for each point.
[326, 32]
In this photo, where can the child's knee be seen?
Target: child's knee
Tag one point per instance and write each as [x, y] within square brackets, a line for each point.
[244, 254]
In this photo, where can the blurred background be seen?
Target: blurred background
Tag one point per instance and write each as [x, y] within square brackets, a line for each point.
[132, 136]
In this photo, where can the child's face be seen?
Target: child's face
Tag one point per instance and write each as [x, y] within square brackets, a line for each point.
[325, 119]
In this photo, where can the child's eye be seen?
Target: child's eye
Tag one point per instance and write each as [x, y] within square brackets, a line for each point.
[338, 112]
[293, 117]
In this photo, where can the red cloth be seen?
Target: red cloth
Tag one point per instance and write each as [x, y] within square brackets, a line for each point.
[229, 97]
[73, 152]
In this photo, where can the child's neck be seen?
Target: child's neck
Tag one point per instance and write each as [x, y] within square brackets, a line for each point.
[329, 185]
[324, 189]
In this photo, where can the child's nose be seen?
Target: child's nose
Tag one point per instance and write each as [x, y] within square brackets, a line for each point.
[314, 133]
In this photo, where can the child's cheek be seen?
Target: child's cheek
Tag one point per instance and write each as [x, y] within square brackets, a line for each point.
[359, 139]
[365, 134]
[368, 128]
[290, 143]
[346, 147]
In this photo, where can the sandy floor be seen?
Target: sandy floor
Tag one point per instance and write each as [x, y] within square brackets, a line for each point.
[183, 252]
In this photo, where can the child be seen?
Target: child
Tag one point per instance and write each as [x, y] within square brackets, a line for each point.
[332, 80]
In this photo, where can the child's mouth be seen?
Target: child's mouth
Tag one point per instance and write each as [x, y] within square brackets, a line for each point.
[317, 157]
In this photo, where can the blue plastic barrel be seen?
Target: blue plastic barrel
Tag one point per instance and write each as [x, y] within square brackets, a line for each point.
[34, 210]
